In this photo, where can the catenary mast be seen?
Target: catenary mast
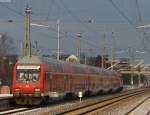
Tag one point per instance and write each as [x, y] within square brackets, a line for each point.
[27, 41]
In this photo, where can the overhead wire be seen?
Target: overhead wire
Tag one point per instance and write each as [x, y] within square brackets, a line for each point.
[50, 9]
[121, 12]
[77, 19]
[21, 14]
[126, 17]
[142, 30]
[11, 9]
[53, 29]
[138, 10]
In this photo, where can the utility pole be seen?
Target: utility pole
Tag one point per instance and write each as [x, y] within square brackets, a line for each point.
[58, 36]
[112, 57]
[78, 45]
[104, 51]
[102, 61]
[27, 41]
[36, 47]
[131, 62]
[113, 51]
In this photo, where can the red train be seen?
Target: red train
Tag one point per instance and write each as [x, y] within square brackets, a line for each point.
[36, 79]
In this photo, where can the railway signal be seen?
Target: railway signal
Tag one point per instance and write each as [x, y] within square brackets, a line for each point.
[80, 95]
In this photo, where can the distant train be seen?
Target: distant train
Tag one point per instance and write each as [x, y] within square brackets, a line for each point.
[36, 80]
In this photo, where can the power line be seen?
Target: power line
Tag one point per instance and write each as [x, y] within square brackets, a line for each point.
[11, 9]
[129, 21]
[53, 29]
[63, 33]
[142, 30]
[50, 9]
[121, 12]
[138, 10]
[76, 18]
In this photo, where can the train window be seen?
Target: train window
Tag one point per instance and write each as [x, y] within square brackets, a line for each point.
[54, 67]
[46, 75]
[94, 70]
[27, 76]
[59, 68]
[78, 69]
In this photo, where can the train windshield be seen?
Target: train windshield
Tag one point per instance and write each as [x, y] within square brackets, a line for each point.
[28, 76]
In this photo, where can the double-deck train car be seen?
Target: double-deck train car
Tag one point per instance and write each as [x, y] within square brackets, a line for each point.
[36, 79]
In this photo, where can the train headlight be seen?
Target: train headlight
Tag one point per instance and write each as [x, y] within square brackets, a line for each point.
[17, 90]
[37, 90]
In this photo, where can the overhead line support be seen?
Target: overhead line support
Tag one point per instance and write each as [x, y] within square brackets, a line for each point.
[27, 41]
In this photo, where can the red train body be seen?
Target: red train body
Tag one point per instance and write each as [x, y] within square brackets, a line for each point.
[35, 80]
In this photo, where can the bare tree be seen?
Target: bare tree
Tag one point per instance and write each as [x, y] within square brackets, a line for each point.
[6, 45]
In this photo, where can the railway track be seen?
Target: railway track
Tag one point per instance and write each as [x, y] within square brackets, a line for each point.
[87, 106]
[18, 111]
[99, 106]
[139, 107]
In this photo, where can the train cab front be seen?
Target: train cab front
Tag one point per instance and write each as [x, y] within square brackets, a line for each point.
[27, 85]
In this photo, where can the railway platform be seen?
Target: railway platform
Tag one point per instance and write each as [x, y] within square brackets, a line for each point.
[3, 96]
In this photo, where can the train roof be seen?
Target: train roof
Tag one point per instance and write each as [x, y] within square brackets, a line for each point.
[29, 60]
[78, 68]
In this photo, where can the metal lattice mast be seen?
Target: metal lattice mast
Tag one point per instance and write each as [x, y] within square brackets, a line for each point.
[78, 45]
[103, 52]
[27, 41]
[58, 42]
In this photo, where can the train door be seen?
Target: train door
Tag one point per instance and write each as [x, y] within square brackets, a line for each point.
[48, 82]
[86, 82]
[57, 83]
[67, 83]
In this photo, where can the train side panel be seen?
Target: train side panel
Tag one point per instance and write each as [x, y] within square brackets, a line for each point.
[59, 79]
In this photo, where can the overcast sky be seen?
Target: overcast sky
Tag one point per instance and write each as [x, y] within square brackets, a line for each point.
[109, 23]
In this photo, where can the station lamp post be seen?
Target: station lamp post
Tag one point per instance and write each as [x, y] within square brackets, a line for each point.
[58, 35]
[58, 41]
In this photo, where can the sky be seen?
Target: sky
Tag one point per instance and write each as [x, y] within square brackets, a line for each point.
[102, 23]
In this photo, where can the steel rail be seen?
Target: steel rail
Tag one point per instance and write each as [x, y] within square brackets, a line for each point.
[117, 102]
[17, 110]
[137, 106]
[93, 106]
